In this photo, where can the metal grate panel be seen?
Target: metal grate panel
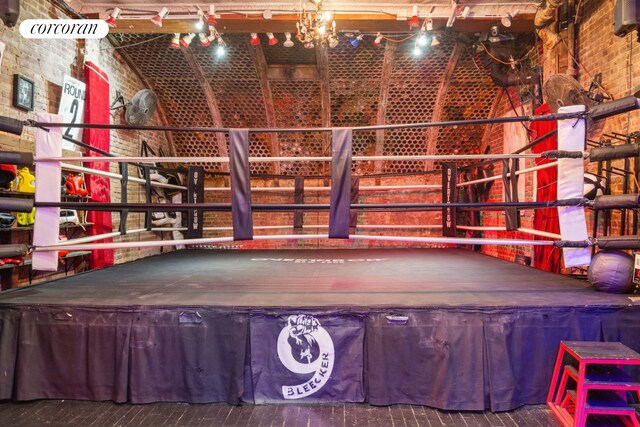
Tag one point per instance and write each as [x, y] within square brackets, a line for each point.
[298, 104]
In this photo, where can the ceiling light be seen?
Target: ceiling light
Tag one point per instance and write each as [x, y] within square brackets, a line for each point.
[267, 14]
[204, 40]
[220, 50]
[378, 40]
[175, 41]
[157, 20]
[254, 40]
[316, 26]
[111, 20]
[465, 12]
[288, 42]
[211, 17]
[434, 41]
[416, 50]
[186, 40]
[272, 39]
[200, 22]
[422, 38]
[506, 20]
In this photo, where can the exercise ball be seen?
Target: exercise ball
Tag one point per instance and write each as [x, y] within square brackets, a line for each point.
[611, 271]
[593, 186]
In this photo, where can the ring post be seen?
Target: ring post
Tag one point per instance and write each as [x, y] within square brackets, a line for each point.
[573, 223]
[47, 222]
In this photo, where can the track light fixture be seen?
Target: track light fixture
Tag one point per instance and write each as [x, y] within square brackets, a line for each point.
[414, 22]
[204, 40]
[272, 39]
[157, 20]
[288, 42]
[378, 40]
[434, 41]
[111, 20]
[333, 41]
[506, 20]
[175, 41]
[211, 18]
[416, 49]
[254, 40]
[186, 40]
[355, 40]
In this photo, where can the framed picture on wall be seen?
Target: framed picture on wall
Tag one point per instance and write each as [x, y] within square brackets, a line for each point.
[22, 92]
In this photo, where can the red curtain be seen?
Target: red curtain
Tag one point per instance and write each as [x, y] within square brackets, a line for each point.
[97, 112]
[546, 258]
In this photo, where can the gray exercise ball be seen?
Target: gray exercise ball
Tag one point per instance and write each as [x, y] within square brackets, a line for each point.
[611, 271]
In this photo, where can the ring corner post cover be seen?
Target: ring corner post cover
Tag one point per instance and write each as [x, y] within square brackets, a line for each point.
[195, 194]
[97, 112]
[572, 219]
[240, 184]
[449, 195]
[47, 223]
[340, 201]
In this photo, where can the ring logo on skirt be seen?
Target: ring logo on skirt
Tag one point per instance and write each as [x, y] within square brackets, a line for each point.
[305, 347]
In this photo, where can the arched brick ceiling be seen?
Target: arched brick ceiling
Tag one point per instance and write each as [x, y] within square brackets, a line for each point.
[272, 86]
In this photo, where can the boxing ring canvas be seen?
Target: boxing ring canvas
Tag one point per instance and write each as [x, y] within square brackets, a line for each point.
[446, 328]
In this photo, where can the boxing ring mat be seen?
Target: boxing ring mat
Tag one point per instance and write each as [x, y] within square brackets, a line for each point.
[446, 328]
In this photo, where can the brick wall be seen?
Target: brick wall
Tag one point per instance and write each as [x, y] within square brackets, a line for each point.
[46, 62]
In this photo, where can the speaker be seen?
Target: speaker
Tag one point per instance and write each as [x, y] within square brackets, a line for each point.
[9, 12]
[626, 17]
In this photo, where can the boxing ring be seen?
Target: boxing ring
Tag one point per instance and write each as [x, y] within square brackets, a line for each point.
[442, 327]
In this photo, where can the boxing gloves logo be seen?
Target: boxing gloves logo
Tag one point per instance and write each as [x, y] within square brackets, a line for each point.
[305, 347]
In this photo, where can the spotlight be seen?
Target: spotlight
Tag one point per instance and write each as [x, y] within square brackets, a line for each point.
[416, 50]
[254, 39]
[355, 40]
[288, 42]
[211, 18]
[414, 22]
[175, 41]
[111, 20]
[378, 40]
[506, 20]
[186, 40]
[200, 21]
[272, 39]
[204, 40]
[333, 41]
[157, 20]
[220, 50]
[422, 38]
[434, 41]
[267, 14]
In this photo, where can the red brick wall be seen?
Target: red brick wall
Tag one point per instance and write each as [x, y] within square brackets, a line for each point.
[46, 62]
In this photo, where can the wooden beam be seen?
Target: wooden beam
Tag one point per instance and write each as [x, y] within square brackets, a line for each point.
[385, 79]
[262, 70]
[322, 61]
[281, 25]
[212, 103]
[439, 103]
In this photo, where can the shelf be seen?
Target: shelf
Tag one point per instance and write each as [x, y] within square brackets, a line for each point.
[27, 262]
[62, 226]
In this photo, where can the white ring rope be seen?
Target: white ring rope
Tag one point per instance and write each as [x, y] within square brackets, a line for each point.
[208, 159]
[361, 188]
[497, 177]
[409, 239]
[76, 168]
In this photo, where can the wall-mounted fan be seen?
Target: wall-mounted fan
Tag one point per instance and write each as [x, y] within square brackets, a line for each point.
[562, 90]
[140, 109]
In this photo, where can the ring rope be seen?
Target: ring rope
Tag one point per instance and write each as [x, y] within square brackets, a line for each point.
[545, 117]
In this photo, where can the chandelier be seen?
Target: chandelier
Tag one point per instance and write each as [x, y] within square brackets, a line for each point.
[316, 27]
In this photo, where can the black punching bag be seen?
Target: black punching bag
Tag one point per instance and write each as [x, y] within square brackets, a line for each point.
[9, 12]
